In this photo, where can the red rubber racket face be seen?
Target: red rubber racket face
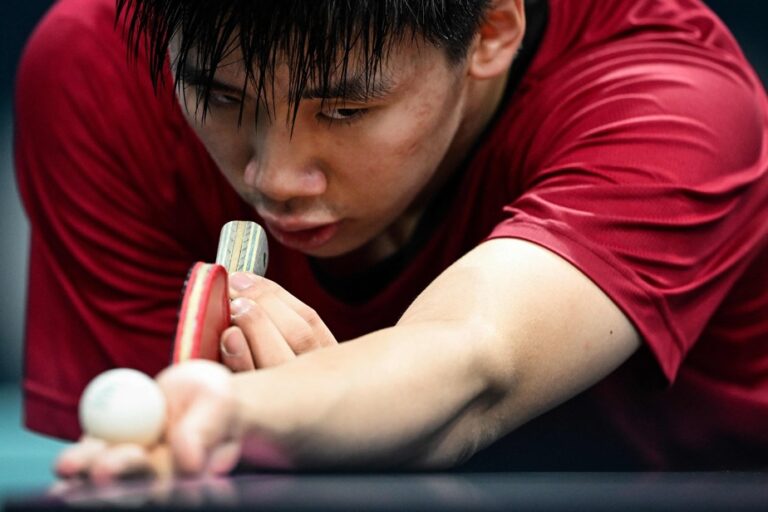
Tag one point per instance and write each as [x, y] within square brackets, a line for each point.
[204, 314]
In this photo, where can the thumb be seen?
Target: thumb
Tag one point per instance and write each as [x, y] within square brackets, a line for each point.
[201, 413]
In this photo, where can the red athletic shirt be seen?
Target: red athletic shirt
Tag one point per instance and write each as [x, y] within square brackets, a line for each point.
[635, 146]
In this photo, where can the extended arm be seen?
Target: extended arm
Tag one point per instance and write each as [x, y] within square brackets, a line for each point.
[506, 333]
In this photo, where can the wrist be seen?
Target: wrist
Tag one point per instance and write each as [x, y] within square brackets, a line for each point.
[261, 427]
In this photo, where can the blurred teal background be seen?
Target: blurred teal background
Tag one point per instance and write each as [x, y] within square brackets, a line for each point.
[25, 458]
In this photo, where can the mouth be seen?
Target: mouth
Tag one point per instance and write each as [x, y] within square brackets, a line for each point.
[302, 236]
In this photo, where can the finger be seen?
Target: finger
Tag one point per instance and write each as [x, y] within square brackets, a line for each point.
[254, 286]
[224, 458]
[258, 289]
[235, 352]
[268, 347]
[321, 336]
[77, 459]
[203, 412]
[120, 461]
[60, 488]
[296, 332]
[161, 461]
[196, 436]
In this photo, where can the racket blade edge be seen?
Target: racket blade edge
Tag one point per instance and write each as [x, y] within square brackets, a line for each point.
[204, 314]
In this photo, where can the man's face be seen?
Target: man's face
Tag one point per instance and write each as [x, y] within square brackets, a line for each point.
[352, 174]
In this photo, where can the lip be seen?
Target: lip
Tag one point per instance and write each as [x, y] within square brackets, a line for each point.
[301, 235]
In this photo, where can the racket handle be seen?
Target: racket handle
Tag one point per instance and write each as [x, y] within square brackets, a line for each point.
[243, 247]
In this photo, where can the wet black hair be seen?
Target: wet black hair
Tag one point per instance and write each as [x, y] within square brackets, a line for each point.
[317, 39]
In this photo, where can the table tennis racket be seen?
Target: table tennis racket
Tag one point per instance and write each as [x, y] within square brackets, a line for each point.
[204, 312]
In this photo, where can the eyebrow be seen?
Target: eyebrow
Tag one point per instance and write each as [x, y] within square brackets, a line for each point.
[196, 77]
[353, 88]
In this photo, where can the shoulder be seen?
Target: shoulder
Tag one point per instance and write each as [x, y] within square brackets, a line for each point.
[72, 30]
[640, 76]
[78, 55]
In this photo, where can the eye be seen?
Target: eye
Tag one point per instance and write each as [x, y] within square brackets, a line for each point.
[342, 114]
[218, 99]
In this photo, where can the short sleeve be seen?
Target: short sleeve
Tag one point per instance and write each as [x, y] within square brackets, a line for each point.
[649, 174]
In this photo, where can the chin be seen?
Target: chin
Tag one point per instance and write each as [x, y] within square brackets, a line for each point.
[341, 248]
[330, 251]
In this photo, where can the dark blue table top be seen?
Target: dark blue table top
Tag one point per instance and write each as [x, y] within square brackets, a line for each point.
[408, 491]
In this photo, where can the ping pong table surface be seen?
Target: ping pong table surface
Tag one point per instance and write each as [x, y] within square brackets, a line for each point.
[623, 492]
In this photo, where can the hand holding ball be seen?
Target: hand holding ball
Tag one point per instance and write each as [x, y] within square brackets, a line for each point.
[123, 406]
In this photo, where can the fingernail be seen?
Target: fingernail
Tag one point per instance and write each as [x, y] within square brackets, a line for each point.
[241, 280]
[239, 306]
[230, 346]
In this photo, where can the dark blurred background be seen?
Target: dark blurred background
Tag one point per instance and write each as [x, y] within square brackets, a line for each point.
[747, 19]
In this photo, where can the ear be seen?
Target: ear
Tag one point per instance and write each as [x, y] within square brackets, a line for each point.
[498, 39]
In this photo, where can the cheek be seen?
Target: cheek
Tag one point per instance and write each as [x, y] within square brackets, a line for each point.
[225, 142]
[400, 152]
[225, 146]
[426, 130]
[428, 120]
[420, 136]
[389, 166]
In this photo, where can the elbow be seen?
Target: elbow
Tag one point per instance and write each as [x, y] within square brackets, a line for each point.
[473, 434]
[493, 360]
[481, 421]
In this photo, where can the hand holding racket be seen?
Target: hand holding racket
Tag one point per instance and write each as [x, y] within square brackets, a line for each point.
[262, 326]
[205, 312]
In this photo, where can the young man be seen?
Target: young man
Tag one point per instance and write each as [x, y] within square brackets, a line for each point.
[498, 206]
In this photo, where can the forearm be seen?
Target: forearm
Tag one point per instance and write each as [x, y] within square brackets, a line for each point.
[468, 362]
[386, 399]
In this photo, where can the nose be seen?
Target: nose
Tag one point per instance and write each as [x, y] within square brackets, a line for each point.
[282, 168]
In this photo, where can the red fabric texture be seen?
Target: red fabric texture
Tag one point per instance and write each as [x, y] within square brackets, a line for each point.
[636, 147]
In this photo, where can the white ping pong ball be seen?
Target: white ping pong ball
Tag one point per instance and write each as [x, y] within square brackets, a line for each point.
[123, 406]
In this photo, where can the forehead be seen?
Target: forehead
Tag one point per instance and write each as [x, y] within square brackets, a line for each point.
[235, 55]
[343, 72]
